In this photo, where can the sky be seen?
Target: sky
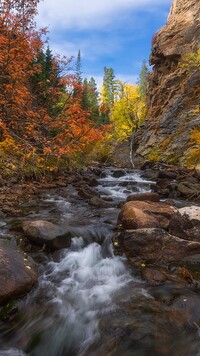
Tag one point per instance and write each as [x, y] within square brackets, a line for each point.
[111, 33]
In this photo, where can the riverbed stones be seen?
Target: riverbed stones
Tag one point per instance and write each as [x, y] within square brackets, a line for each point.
[159, 232]
[157, 245]
[18, 272]
[43, 232]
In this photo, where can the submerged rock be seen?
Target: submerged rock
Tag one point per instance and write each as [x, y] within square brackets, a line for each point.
[18, 273]
[44, 232]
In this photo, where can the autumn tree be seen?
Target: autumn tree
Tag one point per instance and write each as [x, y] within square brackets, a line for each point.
[38, 108]
[19, 43]
[127, 112]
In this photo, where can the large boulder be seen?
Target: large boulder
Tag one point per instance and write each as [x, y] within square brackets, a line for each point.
[18, 272]
[139, 214]
[44, 232]
[156, 245]
[186, 223]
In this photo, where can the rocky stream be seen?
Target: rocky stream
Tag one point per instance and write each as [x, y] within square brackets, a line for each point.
[102, 289]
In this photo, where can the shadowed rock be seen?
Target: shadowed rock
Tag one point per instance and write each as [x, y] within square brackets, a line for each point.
[44, 232]
[143, 197]
[18, 273]
[157, 245]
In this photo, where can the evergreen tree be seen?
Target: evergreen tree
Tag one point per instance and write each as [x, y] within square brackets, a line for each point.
[93, 99]
[143, 82]
[85, 98]
[78, 69]
[90, 98]
[108, 93]
[46, 80]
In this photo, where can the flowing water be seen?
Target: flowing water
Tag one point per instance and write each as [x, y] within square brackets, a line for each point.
[89, 301]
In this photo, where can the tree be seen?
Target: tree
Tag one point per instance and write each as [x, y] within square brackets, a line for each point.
[39, 112]
[107, 93]
[47, 81]
[78, 70]
[143, 82]
[90, 98]
[127, 112]
[19, 43]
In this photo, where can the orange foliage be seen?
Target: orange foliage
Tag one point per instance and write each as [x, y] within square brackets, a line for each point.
[22, 116]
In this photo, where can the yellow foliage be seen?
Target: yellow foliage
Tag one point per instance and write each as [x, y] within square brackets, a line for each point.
[191, 60]
[195, 136]
[127, 111]
[193, 155]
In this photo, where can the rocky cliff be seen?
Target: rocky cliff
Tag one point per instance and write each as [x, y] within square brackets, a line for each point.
[174, 99]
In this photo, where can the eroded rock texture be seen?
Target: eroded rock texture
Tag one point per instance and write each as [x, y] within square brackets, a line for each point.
[174, 103]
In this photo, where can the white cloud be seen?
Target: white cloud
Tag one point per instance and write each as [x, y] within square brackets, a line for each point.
[91, 47]
[87, 14]
[132, 79]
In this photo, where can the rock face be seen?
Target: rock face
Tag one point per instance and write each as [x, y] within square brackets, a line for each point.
[17, 272]
[174, 92]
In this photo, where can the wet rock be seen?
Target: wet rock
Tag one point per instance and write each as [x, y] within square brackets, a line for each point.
[147, 165]
[18, 273]
[186, 223]
[189, 305]
[156, 245]
[188, 189]
[138, 214]
[98, 202]
[144, 197]
[153, 275]
[133, 218]
[162, 187]
[164, 173]
[119, 173]
[150, 174]
[43, 232]
[87, 192]
[92, 182]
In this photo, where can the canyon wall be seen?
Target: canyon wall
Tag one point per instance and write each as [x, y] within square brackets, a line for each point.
[174, 91]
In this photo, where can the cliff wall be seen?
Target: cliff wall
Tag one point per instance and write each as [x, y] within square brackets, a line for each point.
[174, 99]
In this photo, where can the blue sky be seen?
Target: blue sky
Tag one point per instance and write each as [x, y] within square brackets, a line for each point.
[111, 33]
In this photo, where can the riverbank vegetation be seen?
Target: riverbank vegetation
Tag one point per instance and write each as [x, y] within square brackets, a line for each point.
[50, 116]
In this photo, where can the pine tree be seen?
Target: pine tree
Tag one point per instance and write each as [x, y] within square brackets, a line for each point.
[90, 98]
[108, 93]
[78, 69]
[143, 82]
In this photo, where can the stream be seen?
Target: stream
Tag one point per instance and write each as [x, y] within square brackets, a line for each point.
[89, 301]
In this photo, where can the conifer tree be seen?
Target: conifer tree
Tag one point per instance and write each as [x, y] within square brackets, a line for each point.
[78, 69]
[143, 82]
[108, 93]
